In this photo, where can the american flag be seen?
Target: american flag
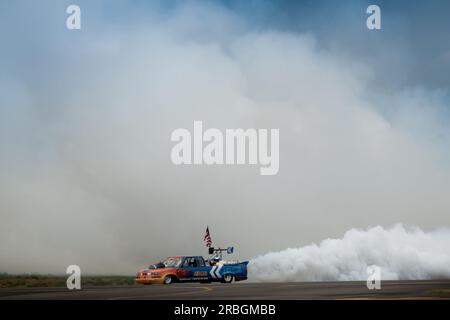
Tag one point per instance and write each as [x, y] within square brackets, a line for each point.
[207, 238]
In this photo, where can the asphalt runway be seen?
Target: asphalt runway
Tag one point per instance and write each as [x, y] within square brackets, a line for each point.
[235, 291]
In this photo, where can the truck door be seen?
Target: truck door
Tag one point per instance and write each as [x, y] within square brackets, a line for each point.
[196, 268]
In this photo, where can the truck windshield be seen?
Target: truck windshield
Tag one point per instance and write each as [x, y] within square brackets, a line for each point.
[172, 263]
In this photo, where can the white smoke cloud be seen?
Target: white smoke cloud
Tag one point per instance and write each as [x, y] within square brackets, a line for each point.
[402, 253]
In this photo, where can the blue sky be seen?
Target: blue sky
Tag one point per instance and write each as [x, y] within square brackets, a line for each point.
[414, 38]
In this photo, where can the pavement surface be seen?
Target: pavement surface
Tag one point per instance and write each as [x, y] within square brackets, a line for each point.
[240, 290]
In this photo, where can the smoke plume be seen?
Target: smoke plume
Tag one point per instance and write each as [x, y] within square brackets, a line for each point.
[401, 253]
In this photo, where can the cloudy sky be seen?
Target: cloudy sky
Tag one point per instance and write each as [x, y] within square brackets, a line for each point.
[86, 117]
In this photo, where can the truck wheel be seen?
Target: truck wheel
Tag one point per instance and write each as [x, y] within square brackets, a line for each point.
[228, 278]
[168, 280]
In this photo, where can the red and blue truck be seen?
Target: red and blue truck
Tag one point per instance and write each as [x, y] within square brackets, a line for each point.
[194, 269]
